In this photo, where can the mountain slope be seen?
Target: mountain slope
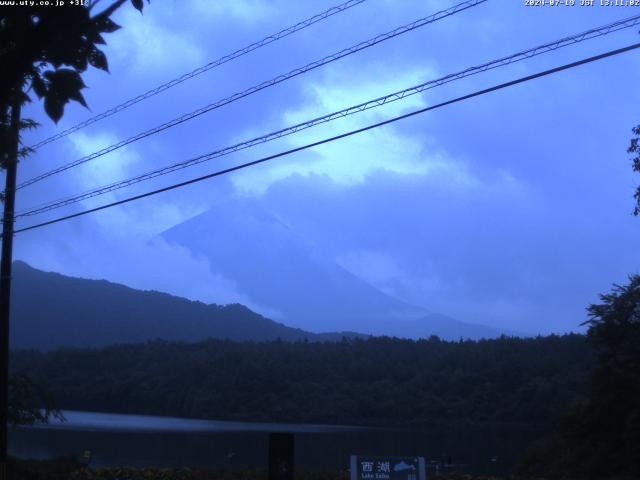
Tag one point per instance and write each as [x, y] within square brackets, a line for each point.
[278, 269]
[50, 310]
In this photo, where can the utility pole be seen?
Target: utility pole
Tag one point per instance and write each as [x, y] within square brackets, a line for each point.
[5, 279]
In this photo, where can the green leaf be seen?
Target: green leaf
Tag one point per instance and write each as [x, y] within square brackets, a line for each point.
[64, 85]
[77, 96]
[65, 79]
[28, 124]
[106, 25]
[95, 37]
[138, 5]
[38, 85]
[79, 60]
[54, 107]
[98, 59]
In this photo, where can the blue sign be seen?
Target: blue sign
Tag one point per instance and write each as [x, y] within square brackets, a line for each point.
[387, 468]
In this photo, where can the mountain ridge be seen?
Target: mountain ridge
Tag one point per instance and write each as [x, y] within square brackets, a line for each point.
[51, 310]
[276, 267]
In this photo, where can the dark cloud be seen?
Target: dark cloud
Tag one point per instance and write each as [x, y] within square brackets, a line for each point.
[489, 253]
[511, 209]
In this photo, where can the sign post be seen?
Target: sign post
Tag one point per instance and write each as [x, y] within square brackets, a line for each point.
[387, 468]
[281, 451]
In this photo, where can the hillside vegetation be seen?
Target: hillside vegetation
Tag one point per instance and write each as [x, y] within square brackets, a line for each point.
[50, 311]
[376, 381]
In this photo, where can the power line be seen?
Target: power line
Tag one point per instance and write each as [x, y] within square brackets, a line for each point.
[551, 46]
[269, 83]
[205, 68]
[337, 137]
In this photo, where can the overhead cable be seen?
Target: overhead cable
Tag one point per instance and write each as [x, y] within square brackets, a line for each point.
[269, 83]
[334, 138]
[392, 97]
[205, 68]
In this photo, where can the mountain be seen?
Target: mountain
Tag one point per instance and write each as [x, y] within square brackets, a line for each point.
[50, 310]
[277, 268]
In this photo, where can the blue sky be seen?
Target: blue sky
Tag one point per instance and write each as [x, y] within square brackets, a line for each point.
[512, 209]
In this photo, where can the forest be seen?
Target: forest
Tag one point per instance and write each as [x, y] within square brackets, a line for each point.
[578, 395]
[378, 381]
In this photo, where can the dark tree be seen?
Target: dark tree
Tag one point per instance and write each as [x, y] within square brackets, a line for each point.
[44, 50]
[614, 331]
[634, 149]
[600, 437]
[29, 402]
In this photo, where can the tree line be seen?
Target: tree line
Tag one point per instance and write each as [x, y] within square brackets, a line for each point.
[378, 381]
[580, 394]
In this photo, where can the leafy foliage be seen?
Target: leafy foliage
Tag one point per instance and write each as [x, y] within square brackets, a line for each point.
[48, 49]
[29, 403]
[506, 381]
[600, 437]
[634, 148]
[614, 410]
[61, 86]
[71, 469]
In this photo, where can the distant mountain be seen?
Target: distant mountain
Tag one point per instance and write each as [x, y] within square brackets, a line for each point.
[277, 268]
[50, 310]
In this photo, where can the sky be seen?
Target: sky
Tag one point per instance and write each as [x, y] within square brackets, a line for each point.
[513, 209]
